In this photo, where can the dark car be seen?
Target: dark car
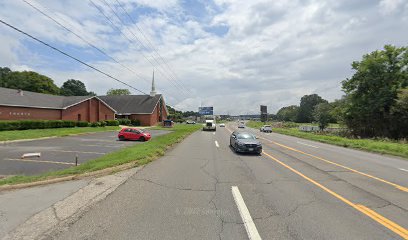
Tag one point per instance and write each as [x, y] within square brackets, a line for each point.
[245, 142]
[133, 134]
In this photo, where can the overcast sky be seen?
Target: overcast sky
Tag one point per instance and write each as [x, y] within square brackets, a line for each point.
[233, 55]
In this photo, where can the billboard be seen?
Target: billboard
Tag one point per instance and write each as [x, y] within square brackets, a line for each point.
[206, 110]
[264, 109]
[264, 113]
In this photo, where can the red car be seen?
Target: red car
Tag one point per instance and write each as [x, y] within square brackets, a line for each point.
[133, 134]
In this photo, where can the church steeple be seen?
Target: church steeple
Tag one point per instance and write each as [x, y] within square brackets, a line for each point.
[153, 91]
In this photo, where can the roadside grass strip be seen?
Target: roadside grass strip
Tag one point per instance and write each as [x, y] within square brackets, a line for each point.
[372, 145]
[139, 153]
[51, 132]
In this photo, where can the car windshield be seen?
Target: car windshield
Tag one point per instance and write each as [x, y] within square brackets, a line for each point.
[267, 126]
[245, 136]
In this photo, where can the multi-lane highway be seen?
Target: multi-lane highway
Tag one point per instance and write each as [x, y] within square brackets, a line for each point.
[297, 189]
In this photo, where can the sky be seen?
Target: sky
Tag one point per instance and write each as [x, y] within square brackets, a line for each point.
[231, 54]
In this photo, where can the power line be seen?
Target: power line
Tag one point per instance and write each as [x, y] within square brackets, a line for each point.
[68, 55]
[117, 29]
[80, 37]
[141, 43]
[150, 43]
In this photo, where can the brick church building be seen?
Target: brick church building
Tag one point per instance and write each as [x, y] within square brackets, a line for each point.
[22, 105]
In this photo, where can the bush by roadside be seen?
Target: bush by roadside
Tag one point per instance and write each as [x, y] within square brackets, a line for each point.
[38, 124]
[139, 153]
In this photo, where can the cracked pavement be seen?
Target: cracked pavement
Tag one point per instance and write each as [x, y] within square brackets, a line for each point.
[187, 195]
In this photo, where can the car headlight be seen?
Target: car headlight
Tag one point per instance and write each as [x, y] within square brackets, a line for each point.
[241, 144]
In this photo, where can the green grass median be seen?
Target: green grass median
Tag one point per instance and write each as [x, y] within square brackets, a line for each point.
[50, 132]
[139, 153]
[383, 146]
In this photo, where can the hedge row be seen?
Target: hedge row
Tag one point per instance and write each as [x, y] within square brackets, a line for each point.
[42, 124]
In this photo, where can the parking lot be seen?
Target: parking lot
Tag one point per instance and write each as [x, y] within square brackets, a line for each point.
[59, 153]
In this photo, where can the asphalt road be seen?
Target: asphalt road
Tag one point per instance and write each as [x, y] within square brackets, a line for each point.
[59, 153]
[292, 191]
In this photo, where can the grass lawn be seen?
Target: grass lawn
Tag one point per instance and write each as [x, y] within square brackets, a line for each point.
[140, 153]
[372, 145]
[50, 132]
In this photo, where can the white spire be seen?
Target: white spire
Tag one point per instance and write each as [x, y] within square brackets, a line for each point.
[153, 92]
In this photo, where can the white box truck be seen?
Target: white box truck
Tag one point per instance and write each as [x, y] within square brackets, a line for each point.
[209, 125]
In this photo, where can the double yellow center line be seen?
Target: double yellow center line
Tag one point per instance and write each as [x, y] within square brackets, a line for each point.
[402, 188]
[361, 208]
[394, 227]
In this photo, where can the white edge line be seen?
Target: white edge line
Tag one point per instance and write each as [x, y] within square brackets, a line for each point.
[245, 215]
[402, 169]
[216, 144]
[307, 144]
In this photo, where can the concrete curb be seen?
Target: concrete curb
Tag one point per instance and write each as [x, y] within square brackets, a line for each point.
[71, 208]
[98, 173]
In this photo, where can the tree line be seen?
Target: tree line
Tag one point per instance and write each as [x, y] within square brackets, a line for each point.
[375, 103]
[35, 82]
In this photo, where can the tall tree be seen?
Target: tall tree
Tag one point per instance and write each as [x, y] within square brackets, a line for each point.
[118, 92]
[27, 80]
[373, 91]
[306, 108]
[288, 113]
[321, 114]
[74, 87]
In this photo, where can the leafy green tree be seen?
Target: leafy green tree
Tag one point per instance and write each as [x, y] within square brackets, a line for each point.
[400, 114]
[373, 91]
[288, 113]
[4, 72]
[338, 108]
[27, 80]
[118, 92]
[321, 114]
[74, 87]
[307, 105]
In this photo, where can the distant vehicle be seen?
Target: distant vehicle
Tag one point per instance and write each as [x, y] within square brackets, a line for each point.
[266, 128]
[241, 125]
[190, 122]
[209, 125]
[245, 142]
[222, 125]
[133, 134]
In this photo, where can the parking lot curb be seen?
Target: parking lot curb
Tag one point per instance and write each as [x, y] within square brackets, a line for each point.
[98, 173]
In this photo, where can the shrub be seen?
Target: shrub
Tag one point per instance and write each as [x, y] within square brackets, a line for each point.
[102, 124]
[124, 121]
[39, 124]
[9, 125]
[82, 124]
[94, 124]
[112, 123]
[135, 122]
[68, 124]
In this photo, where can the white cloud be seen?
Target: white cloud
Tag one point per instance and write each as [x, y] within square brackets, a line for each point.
[272, 53]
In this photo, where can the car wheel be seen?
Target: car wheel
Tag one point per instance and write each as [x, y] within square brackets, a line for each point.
[142, 139]
[121, 138]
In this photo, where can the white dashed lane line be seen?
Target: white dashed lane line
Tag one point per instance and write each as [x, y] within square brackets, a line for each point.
[245, 215]
[216, 144]
[403, 169]
[307, 145]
